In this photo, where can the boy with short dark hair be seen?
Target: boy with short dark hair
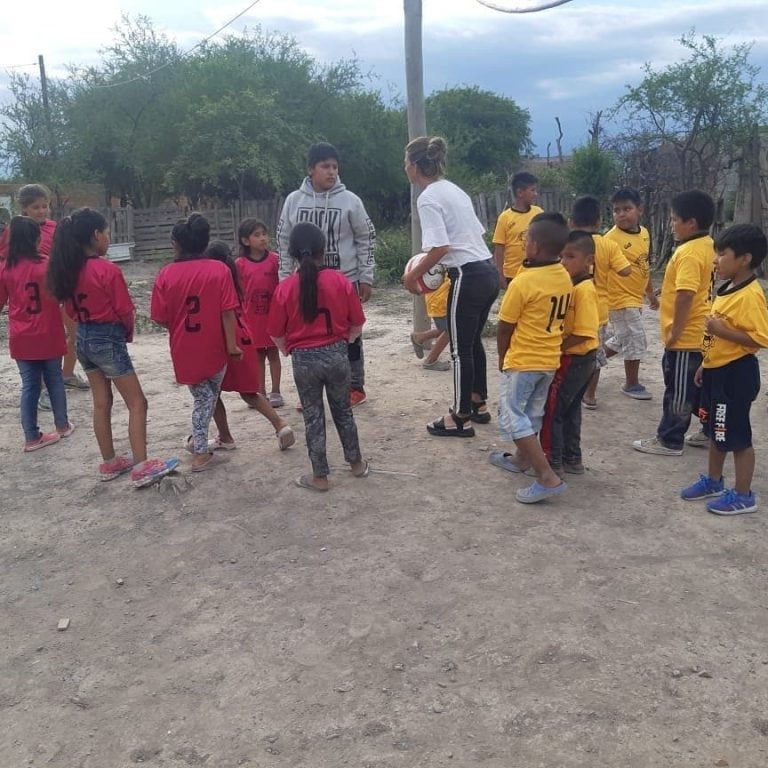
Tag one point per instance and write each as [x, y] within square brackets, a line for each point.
[512, 225]
[625, 295]
[528, 339]
[560, 434]
[610, 261]
[350, 237]
[729, 376]
[685, 301]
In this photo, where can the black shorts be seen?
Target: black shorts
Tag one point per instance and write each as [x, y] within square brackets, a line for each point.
[727, 394]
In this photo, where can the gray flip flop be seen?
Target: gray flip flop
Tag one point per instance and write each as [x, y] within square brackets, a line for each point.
[215, 460]
[305, 481]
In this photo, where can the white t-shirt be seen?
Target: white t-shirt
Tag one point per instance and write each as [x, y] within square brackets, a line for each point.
[448, 218]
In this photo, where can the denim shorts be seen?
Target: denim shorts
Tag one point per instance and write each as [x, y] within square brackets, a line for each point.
[522, 397]
[441, 323]
[102, 347]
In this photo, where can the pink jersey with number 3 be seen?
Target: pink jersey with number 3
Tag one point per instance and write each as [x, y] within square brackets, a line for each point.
[36, 331]
[189, 298]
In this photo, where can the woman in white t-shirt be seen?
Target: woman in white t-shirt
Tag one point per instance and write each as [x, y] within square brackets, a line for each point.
[452, 235]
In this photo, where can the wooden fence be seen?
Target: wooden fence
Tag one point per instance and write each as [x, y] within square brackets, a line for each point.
[149, 229]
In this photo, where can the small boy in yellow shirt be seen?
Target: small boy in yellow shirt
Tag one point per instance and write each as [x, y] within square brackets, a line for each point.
[729, 375]
[528, 339]
[437, 309]
[560, 434]
[512, 226]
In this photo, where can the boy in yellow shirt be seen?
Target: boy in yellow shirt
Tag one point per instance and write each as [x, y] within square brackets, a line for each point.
[437, 309]
[512, 226]
[610, 262]
[530, 332]
[560, 434]
[729, 376]
[685, 301]
[625, 294]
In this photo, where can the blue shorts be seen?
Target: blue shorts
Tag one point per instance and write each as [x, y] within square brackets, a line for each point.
[102, 347]
[522, 397]
[441, 323]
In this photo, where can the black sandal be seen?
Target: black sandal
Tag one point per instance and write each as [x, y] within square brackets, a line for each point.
[438, 429]
[476, 415]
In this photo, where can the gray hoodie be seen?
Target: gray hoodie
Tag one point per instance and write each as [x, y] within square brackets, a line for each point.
[350, 236]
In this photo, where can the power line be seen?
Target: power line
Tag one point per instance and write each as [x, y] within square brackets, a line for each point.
[183, 55]
[19, 66]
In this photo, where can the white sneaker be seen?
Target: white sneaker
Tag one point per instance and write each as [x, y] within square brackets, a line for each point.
[653, 446]
[697, 439]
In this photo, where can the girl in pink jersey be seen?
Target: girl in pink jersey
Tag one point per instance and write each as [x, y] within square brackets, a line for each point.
[315, 314]
[243, 376]
[194, 297]
[258, 268]
[36, 333]
[95, 294]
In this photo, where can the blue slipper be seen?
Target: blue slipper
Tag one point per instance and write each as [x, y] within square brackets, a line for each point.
[538, 492]
[503, 460]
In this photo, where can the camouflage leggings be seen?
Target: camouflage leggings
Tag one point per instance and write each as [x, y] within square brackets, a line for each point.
[205, 395]
[314, 370]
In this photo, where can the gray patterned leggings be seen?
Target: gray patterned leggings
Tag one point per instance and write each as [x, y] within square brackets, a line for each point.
[205, 394]
[314, 370]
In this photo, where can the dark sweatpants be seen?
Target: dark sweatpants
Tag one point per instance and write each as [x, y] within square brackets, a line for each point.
[560, 434]
[681, 396]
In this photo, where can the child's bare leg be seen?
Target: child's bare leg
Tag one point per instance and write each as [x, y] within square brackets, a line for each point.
[590, 394]
[530, 448]
[68, 364]
[716, 462]
[421, 336]
[130, 390]
[222, 424]
[632, 373]
[262, 353]
[440, 344]
[275, 368]
[101, 391]
[261, 404]
[744, 466]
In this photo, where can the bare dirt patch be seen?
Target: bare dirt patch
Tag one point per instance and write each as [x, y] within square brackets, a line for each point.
[421, 617]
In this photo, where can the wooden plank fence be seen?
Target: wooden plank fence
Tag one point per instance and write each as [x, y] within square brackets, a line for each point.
[488, 205]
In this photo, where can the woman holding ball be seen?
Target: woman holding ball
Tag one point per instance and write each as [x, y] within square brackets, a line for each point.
[452, 235]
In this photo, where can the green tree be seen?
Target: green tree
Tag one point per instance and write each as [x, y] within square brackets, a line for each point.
[685, 124]
[591, 171]
[487, 134]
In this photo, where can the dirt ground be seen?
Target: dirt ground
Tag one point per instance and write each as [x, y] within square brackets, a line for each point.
[418, 618]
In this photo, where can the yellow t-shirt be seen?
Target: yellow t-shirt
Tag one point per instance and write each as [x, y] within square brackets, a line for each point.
[744, 309]
[625, 292]
[537, 302]
[511, 229]
[437, 301]
[691, 268]
[583, 317]
[609, 259]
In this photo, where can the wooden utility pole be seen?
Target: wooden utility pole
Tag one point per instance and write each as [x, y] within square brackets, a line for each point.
[46, 106]
[417, 126]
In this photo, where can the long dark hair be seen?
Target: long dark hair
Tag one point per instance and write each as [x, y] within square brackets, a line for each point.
[23, 237]
[307, 246]
[218, 250]
[192, 235]
[245, 230]
[68, 255]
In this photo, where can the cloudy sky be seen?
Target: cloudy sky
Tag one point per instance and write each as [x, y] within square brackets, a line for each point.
[563, 62]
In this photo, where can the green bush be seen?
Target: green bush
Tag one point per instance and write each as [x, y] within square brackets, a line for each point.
[393, 249]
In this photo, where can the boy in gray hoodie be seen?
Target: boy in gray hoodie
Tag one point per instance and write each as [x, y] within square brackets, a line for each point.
[350, 237]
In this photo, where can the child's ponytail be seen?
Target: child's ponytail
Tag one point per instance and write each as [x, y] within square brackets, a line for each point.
[307, 246]
[23, 236]
[218, 250]
[73, 236]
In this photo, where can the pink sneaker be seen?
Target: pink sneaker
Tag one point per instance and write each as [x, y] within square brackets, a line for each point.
[151, 471]
[49, 438]
[109, 470]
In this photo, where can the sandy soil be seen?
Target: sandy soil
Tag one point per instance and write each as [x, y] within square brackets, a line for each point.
[418, 618]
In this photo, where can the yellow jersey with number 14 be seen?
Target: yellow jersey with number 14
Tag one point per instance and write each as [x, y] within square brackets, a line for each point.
[536, 302]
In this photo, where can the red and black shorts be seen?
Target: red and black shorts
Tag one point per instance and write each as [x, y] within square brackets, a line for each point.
[727, 394]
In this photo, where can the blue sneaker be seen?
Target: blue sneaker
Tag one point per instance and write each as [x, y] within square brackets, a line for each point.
[703, 488]
[733, 503]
